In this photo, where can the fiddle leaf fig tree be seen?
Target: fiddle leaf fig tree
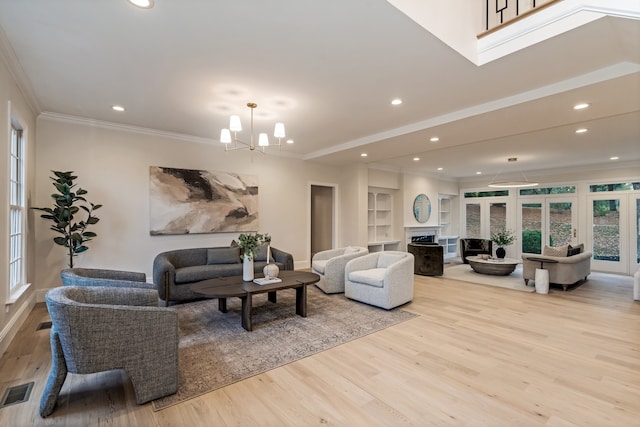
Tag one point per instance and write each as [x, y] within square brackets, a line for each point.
[68, 204]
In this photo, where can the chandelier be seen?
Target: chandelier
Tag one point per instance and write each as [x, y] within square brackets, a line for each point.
[524, 182]
[263, 139]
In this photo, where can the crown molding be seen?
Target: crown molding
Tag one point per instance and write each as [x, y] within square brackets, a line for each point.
[9, 57]
[83, 121]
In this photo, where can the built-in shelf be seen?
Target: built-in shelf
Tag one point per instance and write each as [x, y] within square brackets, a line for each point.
[380, 222]
[450, 244]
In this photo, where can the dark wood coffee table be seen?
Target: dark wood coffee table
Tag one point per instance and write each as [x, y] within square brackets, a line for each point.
[233, 286]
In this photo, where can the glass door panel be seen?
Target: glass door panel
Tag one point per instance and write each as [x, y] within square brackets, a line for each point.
[635, 233]
[497, 217]
[561, 227]
[473, 220]
[532, 226]
[608, 237]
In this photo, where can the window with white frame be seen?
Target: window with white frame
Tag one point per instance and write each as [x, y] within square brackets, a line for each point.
[17, 214]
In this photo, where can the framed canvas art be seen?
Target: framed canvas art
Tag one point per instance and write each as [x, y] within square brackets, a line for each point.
[188, 201]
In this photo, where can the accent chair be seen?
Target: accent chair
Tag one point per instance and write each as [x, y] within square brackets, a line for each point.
[102, 277]
[329, 265]
[97, 328]
[474, 247]
[383, 279]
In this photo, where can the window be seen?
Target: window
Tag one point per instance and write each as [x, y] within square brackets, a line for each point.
[17, 208]
[621, 186]
[569, 189]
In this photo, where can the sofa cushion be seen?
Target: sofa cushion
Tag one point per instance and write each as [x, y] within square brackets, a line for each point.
[555, 250]
[371, 277]
[385, 260]
[223, 256]
[262, 254]
[319, 265]
[197, 273]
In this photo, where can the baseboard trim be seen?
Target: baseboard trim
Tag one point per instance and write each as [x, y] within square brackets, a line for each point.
[15, 323]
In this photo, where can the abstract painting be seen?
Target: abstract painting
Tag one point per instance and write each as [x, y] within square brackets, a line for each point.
[187, 201]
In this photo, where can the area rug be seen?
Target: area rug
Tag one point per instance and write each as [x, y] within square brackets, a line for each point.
[513, 281]
[216, 351]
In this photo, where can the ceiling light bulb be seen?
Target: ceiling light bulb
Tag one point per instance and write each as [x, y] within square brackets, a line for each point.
[289, 141]
[145, 4]
[583, 130]
[363, 155]
[396, 102]
[581, 106]
[478, 173]
[440, 169]
[119, 108]
[434, 139]
[614, 158]
[416, 159]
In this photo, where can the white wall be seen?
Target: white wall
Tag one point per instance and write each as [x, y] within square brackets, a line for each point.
[113, 166]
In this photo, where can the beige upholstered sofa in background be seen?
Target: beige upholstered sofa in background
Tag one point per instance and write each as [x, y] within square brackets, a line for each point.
[563, 270]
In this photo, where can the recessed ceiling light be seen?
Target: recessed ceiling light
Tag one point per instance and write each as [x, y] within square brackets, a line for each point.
[440, 169]
[119, 108]
[614, 158]
[145, 4]
[416, 159]
[581, 106]
[583, 130]
[478, 173]
[434, 139]
[289, 141]
[396, 101]
[363, 155]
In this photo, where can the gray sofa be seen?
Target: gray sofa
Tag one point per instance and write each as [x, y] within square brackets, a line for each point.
[174, 271]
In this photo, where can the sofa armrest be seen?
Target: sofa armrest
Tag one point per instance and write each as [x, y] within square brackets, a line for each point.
[365, 262]
[282, 257]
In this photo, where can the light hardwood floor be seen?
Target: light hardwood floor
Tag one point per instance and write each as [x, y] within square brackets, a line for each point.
[476, 356]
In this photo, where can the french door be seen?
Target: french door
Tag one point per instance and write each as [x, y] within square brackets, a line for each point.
[546, 221]
[614, 232]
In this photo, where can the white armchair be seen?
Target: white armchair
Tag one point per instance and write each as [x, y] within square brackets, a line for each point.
[329, 265]
[383, 279]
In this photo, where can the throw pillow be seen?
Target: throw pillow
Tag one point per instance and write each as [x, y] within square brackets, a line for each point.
[573, 251]
[555, 251]
[580, 247]
[223, 256]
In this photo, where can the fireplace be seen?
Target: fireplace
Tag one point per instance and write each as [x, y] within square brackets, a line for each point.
[423, 239]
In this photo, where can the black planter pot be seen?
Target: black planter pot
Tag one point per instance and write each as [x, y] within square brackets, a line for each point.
[500, 252]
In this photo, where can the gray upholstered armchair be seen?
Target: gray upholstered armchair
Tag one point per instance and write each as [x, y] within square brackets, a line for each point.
[98, 328]
[383, 279]
[329, 265]
[102, 277]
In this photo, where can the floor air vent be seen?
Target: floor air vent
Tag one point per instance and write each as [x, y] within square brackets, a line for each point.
[17, 394]
[44, 325]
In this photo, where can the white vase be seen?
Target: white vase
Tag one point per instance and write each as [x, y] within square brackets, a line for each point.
[247, 269]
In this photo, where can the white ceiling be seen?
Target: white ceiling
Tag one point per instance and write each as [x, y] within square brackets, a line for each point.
[329, 70]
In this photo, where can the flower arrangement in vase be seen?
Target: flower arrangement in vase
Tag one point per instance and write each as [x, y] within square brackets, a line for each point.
[249, 243]
[503, 238]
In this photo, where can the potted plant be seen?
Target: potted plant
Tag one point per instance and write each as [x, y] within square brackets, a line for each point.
[503, 238]
[249, 243]
[67, 204]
